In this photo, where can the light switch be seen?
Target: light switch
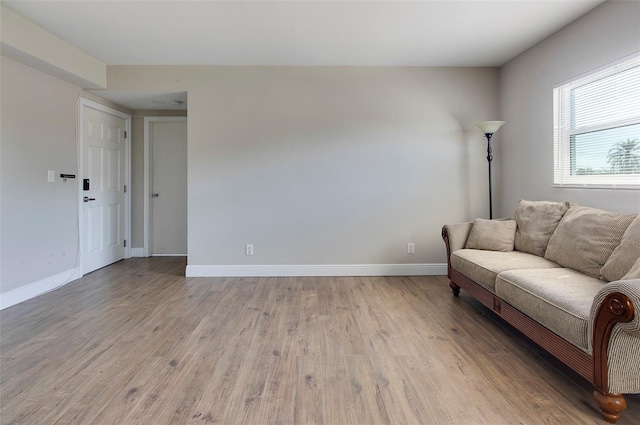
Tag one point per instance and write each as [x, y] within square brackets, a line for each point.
[51, 176]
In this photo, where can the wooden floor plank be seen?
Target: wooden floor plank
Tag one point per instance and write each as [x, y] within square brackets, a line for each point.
[138, 343]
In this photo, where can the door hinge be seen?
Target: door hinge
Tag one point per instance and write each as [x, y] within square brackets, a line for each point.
[125, 243]
[125, 188]
[125, 134]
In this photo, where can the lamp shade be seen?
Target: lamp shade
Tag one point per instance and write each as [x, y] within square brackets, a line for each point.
[489, 127]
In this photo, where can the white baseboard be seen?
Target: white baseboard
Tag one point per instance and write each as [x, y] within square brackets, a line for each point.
[32, 290]
[139, 252]
[316, 270]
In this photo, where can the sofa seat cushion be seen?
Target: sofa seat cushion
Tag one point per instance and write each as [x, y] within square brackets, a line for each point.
[559, 299]
[483, 266]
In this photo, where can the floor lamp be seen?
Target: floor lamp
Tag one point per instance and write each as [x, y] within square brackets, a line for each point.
[489, 128]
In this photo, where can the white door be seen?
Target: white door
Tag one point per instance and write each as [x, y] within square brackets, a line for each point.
[103, 212]
[168, 212]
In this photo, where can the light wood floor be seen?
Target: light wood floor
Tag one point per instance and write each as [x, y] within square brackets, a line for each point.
[138, 343]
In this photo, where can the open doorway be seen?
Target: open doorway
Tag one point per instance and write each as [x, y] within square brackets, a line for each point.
[149, 112]
[165, 187]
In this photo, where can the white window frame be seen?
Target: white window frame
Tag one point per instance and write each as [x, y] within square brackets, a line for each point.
[562, 132]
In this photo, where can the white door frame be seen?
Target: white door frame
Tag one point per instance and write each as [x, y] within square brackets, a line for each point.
[147, 174]
[86, 103]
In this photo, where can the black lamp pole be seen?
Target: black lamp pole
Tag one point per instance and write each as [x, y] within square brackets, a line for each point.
[489, 159]
[489, 128]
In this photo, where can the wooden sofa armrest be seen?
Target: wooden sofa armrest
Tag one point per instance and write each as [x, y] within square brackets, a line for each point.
[614, 305]
[616, 302]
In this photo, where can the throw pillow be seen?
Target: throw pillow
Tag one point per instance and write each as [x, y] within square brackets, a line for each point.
[634, 273]
[625, 255]
[492, 235]
[586, 237]
[537, 220]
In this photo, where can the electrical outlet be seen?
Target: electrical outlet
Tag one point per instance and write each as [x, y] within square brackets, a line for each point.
[411, 248]
[248, 249]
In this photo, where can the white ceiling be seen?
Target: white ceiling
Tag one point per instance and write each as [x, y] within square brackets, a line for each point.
[358, 33]
[302, 33]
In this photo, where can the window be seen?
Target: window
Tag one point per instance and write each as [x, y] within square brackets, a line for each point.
[597, 128]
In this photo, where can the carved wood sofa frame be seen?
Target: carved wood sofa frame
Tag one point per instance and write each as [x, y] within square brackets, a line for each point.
[616, 308]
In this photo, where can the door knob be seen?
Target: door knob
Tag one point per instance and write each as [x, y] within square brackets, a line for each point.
[87, 199]
[155, 195]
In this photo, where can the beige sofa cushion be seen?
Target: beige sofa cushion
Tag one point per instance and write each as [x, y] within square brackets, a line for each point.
[624, 255]
[483, 266]
[559, 299]
[492, 235]
[634, 273]
[585, 238]
[537, 221]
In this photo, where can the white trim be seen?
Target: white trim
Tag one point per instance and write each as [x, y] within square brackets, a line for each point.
[145, 190]
[564, 128]
[595, 186]
[32, 290]
[597, 72]
[147, 176]
[139, 252]
[316, 270]
[82, 103]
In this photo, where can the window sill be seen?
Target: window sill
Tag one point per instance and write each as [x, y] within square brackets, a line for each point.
[597, 186]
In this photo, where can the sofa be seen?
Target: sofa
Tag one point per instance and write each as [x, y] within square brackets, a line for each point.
[568, 277]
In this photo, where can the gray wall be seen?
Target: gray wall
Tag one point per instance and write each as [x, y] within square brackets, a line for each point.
[137, 181]
[327, 165]
[38, 219]
[606, 34]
